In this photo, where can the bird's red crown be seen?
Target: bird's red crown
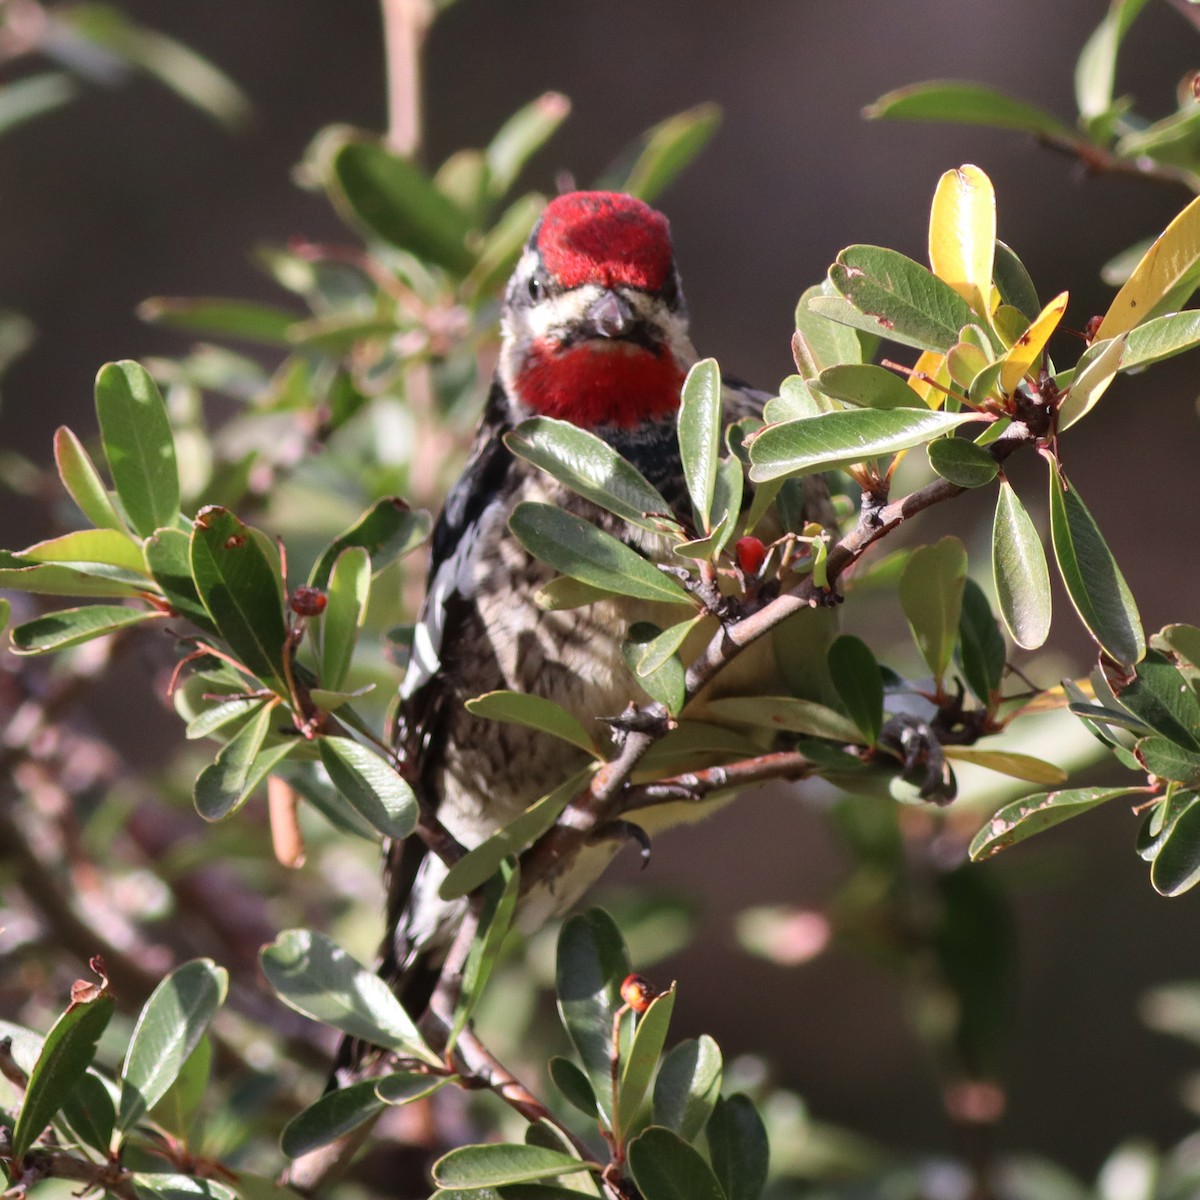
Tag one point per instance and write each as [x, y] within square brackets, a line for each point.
[606, 238]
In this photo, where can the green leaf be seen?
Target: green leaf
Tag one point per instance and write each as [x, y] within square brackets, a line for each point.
[688, 1085]
[1096, 370]
[1161, 338]
[210, 316]
[63, 1061]
[592, 964]
[1176, 866]
[481, 862]
[649, 1037]
[574, 1086]
[138, 444]
[980, 644]
[89, 1113]
[209, 720]
[240, 766]
[86, 549]
[81, 479]
[665, 1167]
[372, 785]
[931, 591]
[700, 412]
[668, 148]
[565, 593]
[1093, 580]
[393, 199]
[501, 1163]
[1013, 281]
[574, 547]
[1021, 574]
[520, 137]
[168, 1029]
[168, 555]
[71, 626]
[179, 1187]
[840, 439]
[495, 920]
[667, 681]
[1006, 762]
[590, 466]
[666, 645]
[819, 342]
[403, 1087]
[902, 300]
[176, 1111]
[242, 591]
[23, 99]
[1168, 760]
[501, 247]
[738, 1147]
[349, 588]
[1183, 640]
[50, 579]
[868, 386]
[534, 712]
[962, 462]
[1160, 696]
[314, 975]
[1095, 70]
[388, 530]
[859, 683]
[1023, 818]
[965, 104]
[785, 713]
[334, 1115]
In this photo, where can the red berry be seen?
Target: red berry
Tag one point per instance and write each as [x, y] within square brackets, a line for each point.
[1093, 327]
[751, 554]
[638, 992]
[308, 601]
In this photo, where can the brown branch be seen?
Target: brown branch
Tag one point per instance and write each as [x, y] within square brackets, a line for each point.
[697, 785]
[43, 1162]
[10, 1068]
[1100, 161]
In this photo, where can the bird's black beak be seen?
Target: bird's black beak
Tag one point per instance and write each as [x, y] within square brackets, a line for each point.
[611, 316]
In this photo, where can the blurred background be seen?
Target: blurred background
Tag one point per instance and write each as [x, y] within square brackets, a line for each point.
[129, 193]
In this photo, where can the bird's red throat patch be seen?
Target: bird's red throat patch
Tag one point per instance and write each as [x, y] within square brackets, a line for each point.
[595, 384]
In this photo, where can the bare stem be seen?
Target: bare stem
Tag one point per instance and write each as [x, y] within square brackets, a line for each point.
[405, 24]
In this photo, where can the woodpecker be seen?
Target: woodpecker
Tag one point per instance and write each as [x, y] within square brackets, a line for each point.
[594, 332]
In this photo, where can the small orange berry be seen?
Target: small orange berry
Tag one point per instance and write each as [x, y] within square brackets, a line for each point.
[638, 992]
[308, 601]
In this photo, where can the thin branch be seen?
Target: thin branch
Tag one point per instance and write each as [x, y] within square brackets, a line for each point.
[405, 24]
[697, 785]
[44, 1162]
[1100, 161]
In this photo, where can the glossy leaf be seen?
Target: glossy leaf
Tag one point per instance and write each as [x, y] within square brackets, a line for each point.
[962, 234]
[700, 413]
[239, 768]
[388, 530]
[1183, 640]
[668, 148]
[859, 683]
[1172, 260]
[840, 439]
[899, 298]
[81, 479]
[500, 1163]
[1095, 70]
[176, 1111]
[71, 626]
[314, 975]
[1023, 818]
[62, 1062]
[574, 1086]
[1160, 696]
[1022, 576]
[819, 342]
[372, 785]
[867, 386]
[87, 549]
[966, 104]
[1176, 866]
[1095, 372]
[1013, 282]
[667, 644]
[168, 558]
[138, 444]
[210, 316]
[168, 1029]
[1093, 580]
[665, 1167]
[931, 591]
[520, 137]
[349, 588]
[1161, 338]
[738, 1147]
[330, 1117]
[574, 547]
[688, 1085]
[962, 462]
[592, 963]
[156, 1186]
[241, 590]
[395, 200]
[785, 713]
[980, 644]
[1166, 759]
[1025, 352]
[649, 1038]
[564, 593]
[533, 712]
[89, 1113]
[209, 720]
[51, 579]
[1007, 762]
[590, 466]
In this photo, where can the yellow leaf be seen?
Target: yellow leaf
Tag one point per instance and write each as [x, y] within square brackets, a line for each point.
[1019, 766]
[962, 234]
[1091, 382]
[933, 365]
[1027, 349]
[1171, 260]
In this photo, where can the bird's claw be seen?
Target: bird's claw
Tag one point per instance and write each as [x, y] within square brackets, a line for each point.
[923, 761]
[620, 830]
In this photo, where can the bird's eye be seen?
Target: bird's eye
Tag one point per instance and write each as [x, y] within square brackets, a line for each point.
[535, 288]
